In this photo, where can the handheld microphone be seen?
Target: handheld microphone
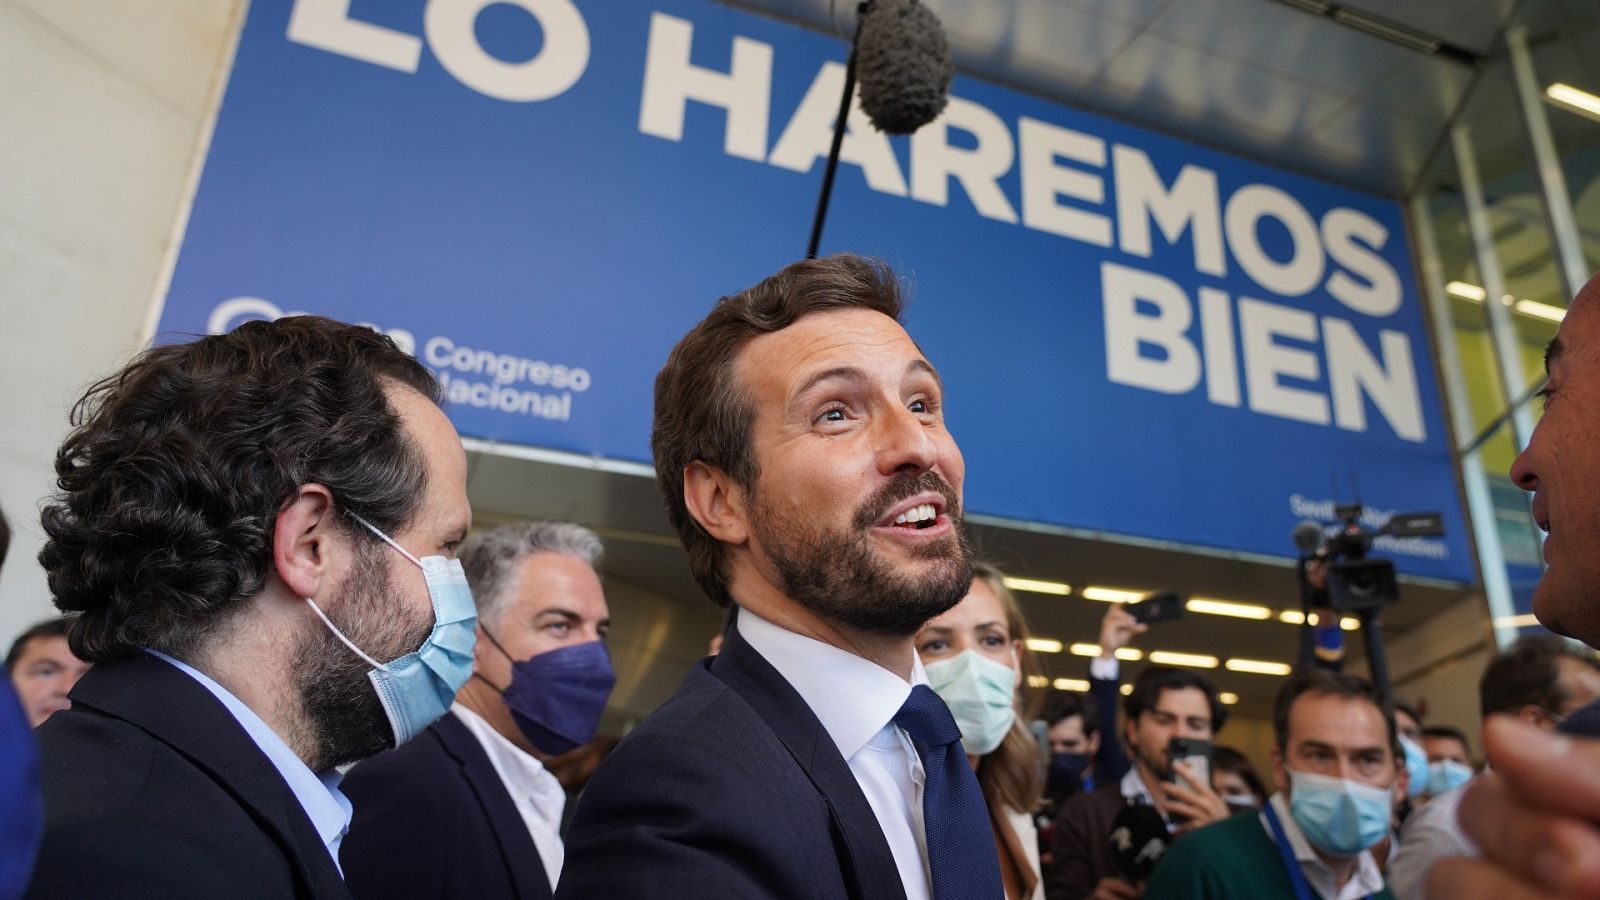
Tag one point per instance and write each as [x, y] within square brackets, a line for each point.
[1139, 839]
[903, 64]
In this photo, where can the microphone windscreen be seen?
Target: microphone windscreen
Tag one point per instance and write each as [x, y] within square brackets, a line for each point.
[1307, 537]
[1139, 838]
[903, 65]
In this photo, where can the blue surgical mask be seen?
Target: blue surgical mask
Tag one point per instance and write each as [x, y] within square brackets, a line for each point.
[556, 697]
[1338, 816]
[1447, 775]
[1416, 767]
[417, 688]
[979, 692]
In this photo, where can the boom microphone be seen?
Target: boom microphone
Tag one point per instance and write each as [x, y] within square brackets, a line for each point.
[903, 64]
[1307, 537]
[1139, 838]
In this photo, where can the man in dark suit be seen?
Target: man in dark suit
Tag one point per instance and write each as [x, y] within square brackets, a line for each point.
[239, 530]
[800, 444]
[477, 776]
[1165, 703]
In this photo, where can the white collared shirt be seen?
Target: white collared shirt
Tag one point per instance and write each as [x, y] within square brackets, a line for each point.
[319, 795]
[856, 699]
[536, 792]
[1364, 881]
[1134, 789]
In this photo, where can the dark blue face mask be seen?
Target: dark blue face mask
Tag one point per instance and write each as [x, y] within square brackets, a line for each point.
[1066, 772]
[556, 697]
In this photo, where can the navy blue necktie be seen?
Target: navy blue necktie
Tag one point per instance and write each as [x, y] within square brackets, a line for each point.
[961, 848]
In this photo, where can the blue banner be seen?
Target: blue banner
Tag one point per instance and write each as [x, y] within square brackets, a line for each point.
[1138, 335]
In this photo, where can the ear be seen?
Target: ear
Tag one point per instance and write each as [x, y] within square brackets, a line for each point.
[302, 537]
[1535, 716]
[716, 502]
[1092, 745]
[1016, 664]
[1280, 777]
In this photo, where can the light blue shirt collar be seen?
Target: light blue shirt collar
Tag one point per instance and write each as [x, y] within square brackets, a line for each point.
[328, 808]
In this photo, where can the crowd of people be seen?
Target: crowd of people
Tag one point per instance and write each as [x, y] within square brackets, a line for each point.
[287, 665]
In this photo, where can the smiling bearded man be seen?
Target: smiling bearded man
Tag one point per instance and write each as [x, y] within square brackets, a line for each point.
[801, 448]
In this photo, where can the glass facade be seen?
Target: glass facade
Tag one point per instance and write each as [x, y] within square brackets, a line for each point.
[1507, 222]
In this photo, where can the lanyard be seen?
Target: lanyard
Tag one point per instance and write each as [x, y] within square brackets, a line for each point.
[1302, 889]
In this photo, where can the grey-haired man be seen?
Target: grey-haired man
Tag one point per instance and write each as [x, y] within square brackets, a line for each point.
[541, 677]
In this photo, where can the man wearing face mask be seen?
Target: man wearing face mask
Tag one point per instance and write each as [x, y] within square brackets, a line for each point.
[477, 777]
[1449, 759]
[1540, 680]
[1335, 765]
[256, 533]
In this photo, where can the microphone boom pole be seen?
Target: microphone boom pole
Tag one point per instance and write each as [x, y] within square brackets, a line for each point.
[838, 138]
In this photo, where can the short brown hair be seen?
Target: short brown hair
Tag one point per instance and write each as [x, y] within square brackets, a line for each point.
[701, 412]
[1330, 684]
[171, 482]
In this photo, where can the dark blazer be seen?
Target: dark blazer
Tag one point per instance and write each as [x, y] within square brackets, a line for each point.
[731, 789]
[433, 819]
[1081, 854]
[153, 789]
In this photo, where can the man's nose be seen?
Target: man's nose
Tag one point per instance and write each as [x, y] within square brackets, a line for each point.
[905, 443]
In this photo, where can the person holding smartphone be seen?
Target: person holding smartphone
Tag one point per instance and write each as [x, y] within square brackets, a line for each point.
[1166, 703]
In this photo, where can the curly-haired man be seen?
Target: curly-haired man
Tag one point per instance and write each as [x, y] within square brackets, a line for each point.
[255, 532]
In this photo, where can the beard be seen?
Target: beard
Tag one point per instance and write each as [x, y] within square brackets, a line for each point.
[839, 575]
[345, 719]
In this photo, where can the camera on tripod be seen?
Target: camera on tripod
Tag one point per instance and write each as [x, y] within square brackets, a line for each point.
[1356, 582]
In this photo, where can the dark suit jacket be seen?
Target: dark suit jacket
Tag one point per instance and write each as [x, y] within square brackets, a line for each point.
[1081, 855]
[153, 789]
[433, 819]
[731, 789]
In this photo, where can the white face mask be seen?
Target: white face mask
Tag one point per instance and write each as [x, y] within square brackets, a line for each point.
[980, 693]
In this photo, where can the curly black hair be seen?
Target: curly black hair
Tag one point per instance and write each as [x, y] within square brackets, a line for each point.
[177, 466]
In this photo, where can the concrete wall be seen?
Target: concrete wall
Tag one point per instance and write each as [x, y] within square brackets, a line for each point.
[104, 103]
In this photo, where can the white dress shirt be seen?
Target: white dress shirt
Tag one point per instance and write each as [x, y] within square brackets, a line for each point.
[328, 808]
[856, 700]
[1364, 881]
[536, 792]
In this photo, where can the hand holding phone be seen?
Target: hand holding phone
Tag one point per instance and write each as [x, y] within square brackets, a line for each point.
[1157, 608]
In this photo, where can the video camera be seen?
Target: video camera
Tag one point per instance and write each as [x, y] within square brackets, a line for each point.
[1357, 583]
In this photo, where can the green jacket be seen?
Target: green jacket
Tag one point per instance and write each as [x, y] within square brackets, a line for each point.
[1235, 859]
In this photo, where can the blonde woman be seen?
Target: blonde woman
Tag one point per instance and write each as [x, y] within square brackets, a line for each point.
[976, 659]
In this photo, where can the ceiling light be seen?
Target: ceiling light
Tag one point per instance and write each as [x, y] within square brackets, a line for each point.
[1228, 698]
[1130, 654]
[1125, 690]
[1540, 310]
[1350, 623]
[1038, 681]
[1531, 308]
[1111, 595]
[1192, 660]
[1043, 645]
[1227, 608]
[1071, 684]
[1257, 666]
[1037, 586]
[1292, 617]
[1522, 621]
[1574, 99]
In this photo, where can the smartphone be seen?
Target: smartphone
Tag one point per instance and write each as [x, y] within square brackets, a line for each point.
[1194, 753]
[1157, 608]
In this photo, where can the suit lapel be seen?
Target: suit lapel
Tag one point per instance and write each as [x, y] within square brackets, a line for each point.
[517, 848]
[866, 850]
[180, 712]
